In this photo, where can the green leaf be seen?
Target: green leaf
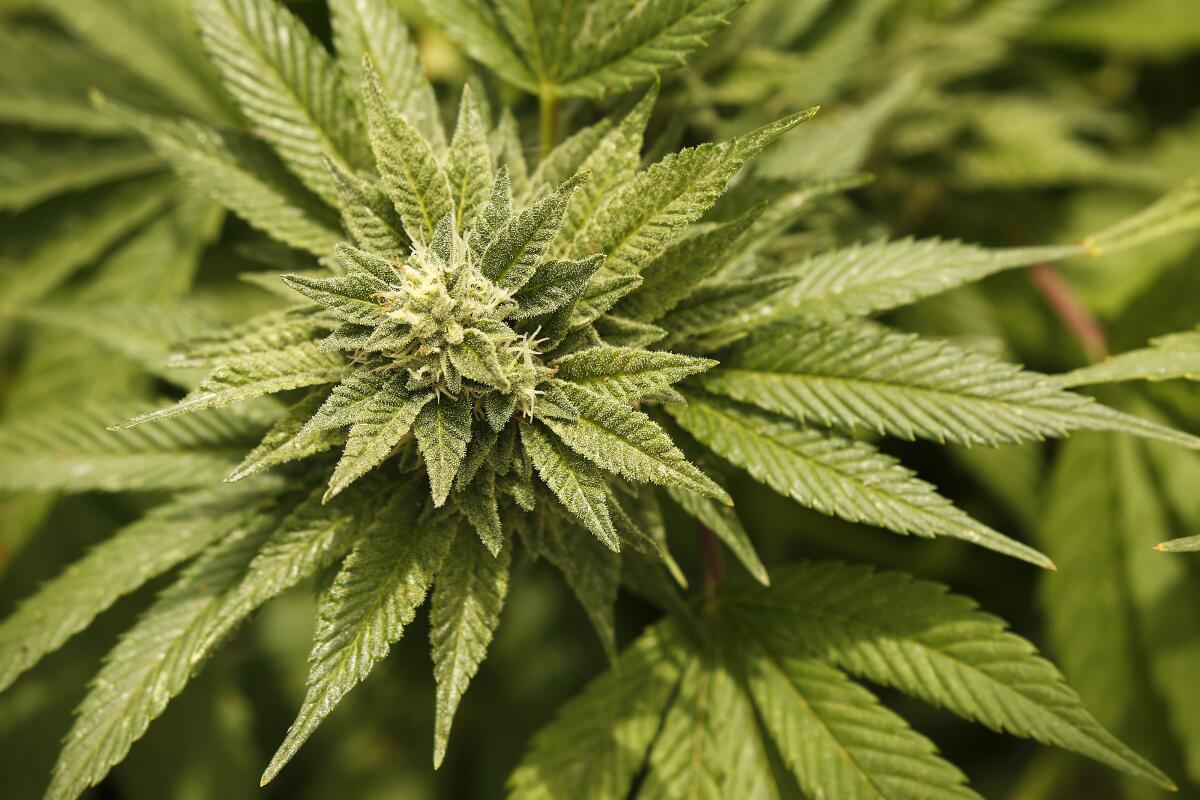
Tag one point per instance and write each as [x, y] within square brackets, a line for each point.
[595, 747]
[157, 42]
[168, 535]
[151, 664]
[879, 276]
[352, 297]
[836, 737]
[858, 376]
[67, 448]
[243, 174]
[555, 285]
[1187, 544]
[467, 598]
[283, 443]
[682, 267]
[42, 248]
[375, 29]
[592, 570]
[710, 744]
[479, 505]
[475, 26]
[618, 439]
[443, 430]
[469, 162]
[640, 220]
[411, 174]
[287, 85]
[144, 334]
[580, 51]
[33, 169]
[834, 475]
[517, 248]
[578, 485]
[259, 336]
[373, 598]
[273, 371]
[724, 306]
[896, 631]
[385, 419]
[628, 373]
[1107, 611]
[1167, 358]
[478, 358]
[368, 215]
[1176, 211]
[724, 522]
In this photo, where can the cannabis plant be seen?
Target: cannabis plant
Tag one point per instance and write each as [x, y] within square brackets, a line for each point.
[476, 362]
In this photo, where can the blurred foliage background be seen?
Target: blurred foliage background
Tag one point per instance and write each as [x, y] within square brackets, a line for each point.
[998, 121]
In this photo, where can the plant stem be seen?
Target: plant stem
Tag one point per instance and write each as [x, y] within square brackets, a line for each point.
[710, 554]
[1086, 329]
[548, 108]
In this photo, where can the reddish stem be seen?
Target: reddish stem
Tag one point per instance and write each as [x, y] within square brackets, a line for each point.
[1086, 329]
[710, 554]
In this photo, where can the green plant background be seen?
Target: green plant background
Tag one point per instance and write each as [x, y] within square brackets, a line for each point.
[1031, 127]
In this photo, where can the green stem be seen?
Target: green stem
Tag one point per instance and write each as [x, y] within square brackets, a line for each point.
[548, 106]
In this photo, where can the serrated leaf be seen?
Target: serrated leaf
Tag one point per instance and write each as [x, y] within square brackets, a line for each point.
[467, 597]
[475, 26]
[443, 430]
[879, 276]
[375, 29]
[628, 373]
[150, 665]
[864, 376]
[640, 221]
[352, 297]
[168, 535]
[1167, 358]
[67, 448]
[287, 85]
[469, 162]
[517, 248]
[478, 358]
[618, 439]
[258, 336]
[837, 738]
[479, 505]
[554, 285]
[682, 267]
[834, 475]
[282, 442]
[724, 306]
[980, 671]
[710, 744]
[581, 51]
[243, 174]
[373, 598]
[411, 174]
[578, 485]
[595, 747]
[385, 419]
[368, 214]
[293, 367]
